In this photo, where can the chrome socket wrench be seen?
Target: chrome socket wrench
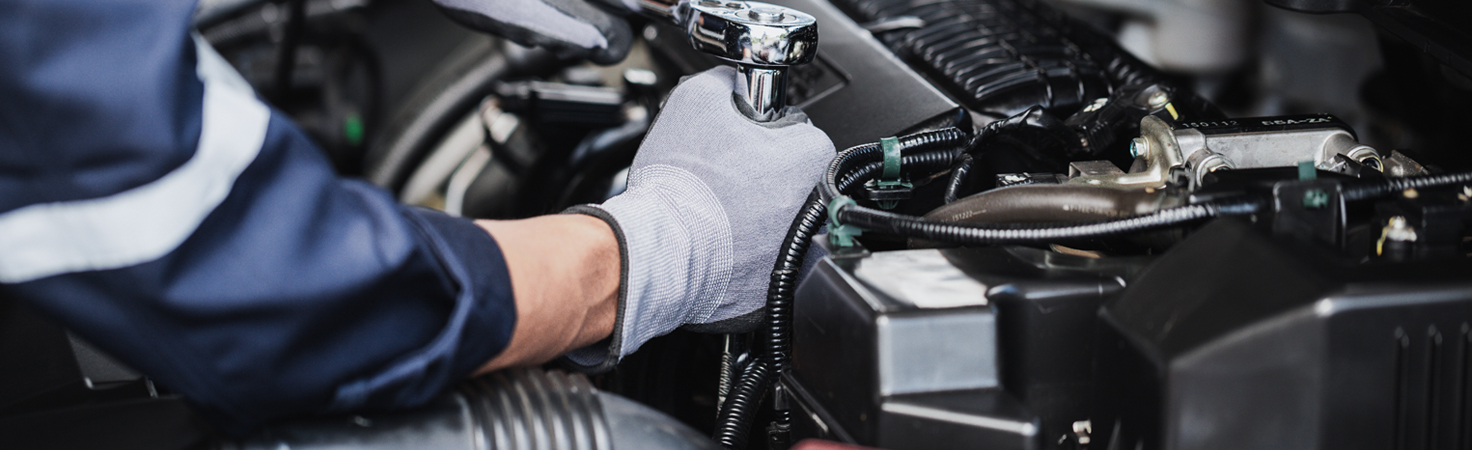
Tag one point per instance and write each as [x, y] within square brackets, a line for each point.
[761, 38]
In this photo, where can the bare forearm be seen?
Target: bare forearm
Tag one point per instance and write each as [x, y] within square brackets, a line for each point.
[565, 275]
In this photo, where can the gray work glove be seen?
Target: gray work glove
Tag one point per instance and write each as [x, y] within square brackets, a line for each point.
[711, 195]
[569, 28]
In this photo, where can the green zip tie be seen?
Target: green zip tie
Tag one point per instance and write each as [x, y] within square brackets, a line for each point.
[890, 178]
[840, 235]
[891, 146]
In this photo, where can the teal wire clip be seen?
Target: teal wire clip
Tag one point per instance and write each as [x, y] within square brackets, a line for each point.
[841, 235]
[890, 180]
[1307, 171]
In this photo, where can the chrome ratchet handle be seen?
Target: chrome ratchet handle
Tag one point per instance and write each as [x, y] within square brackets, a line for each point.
[761, 38]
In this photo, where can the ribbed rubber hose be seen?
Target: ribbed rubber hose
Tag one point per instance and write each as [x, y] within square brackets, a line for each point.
[926, 162]
[1381, 188]
[915, 227]
[740, 406]
[958, 177]
[865, 153]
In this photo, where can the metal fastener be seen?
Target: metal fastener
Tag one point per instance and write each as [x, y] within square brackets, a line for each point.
[1139, 147]
[1097, 104]
[1159, 99]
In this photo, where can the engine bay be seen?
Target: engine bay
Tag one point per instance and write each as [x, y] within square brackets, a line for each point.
[1050, 225]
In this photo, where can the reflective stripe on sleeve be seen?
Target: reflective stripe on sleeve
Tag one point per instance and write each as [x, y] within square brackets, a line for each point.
[147, 222]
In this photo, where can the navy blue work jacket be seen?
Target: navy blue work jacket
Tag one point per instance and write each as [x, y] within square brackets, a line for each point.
[152, 203]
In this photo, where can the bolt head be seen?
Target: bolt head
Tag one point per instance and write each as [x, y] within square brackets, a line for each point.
[1159, 99]
[1139, 147]
[1399, 229]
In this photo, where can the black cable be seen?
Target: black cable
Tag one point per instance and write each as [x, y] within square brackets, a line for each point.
[915, 227]
[1388, 186]
[741, 405]
[860, 154]
[958, 177]
[931, 161]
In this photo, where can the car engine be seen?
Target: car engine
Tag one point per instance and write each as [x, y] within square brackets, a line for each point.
[1068, 224]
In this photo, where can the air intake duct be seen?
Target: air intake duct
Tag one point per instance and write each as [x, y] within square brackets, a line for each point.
[509, 410]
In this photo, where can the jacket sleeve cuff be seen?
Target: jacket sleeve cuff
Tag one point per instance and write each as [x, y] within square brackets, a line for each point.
[479, 328]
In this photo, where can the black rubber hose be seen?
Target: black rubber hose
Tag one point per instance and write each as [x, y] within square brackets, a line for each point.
[958, 177]
[784, 280]
[915, 227]
[1388, 186]
[740, 407]
[859, 154]
[931, 161]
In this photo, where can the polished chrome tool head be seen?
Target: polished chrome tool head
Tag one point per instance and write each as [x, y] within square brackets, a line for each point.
[761, 38]
[753, 33]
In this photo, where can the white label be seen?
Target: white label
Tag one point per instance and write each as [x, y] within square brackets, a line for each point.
[923, 278]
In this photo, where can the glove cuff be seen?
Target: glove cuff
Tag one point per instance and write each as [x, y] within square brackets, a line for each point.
[603, 355]
[675, 242]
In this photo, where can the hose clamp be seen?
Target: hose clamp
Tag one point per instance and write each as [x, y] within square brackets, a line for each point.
[841, 235]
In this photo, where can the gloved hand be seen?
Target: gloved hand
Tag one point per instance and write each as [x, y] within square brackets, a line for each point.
[570, 28]
[710, 196]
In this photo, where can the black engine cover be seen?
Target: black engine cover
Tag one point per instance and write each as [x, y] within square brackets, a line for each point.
[1236, 340]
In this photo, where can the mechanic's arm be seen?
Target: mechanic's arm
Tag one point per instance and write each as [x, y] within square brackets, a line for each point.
[565, 272]
[154, 205]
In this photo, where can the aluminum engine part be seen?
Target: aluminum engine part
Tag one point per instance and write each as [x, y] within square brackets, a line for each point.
[1053, 204]
[1269, 142]
[1184, 155]
[1156, 145]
